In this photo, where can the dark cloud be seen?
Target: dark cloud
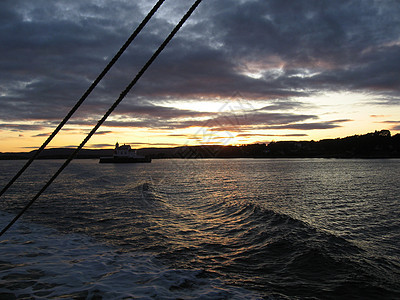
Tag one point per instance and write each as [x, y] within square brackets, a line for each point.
[397, 127]
[270, 135]
[269, 51]
[102, 132]
[177, 135]
[227, 121]
[168, 118]
[100, 146]
[165, 144]
[391, 122]
[283, 105]
[42, 134]
[310, 126]
[394, 125]
[159, 112]
[20, 127]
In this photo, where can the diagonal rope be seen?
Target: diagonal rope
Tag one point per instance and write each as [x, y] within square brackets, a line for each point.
[107, 114]
[86, 94]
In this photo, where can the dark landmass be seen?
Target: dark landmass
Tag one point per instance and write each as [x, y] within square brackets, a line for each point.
[58, 153]
[379, 144]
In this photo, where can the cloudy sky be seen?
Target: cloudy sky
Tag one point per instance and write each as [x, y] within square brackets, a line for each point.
[239, 71]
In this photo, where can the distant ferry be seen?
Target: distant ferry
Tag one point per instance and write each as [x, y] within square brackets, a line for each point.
[124, 154]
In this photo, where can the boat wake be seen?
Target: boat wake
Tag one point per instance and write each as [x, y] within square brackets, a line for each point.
[40, 262]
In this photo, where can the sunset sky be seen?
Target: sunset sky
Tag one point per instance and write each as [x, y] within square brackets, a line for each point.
[239, 71]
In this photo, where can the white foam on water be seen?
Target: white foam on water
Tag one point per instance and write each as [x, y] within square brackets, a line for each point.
[40, 262]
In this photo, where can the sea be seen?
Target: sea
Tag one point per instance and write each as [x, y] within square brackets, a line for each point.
[203, 229]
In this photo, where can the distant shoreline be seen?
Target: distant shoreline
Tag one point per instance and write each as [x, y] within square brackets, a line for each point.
[376, 145]
[200, 158]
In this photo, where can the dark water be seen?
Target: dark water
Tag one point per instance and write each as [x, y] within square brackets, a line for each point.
[210, 229]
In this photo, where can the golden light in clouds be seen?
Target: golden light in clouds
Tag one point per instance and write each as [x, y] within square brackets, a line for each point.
[332, 106]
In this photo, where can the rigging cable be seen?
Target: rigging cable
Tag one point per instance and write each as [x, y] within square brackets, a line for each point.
[107, 114]
[86, 94]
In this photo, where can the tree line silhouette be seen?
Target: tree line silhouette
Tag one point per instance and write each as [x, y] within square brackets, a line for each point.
[378, 144]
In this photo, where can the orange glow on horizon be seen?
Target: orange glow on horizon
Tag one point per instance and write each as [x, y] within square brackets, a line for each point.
[229, 123]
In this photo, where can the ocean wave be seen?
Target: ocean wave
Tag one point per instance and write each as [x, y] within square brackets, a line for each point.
[39, 262]
[259, 228]
[283, 253]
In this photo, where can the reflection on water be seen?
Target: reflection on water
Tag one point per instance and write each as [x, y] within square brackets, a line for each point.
[298, 228]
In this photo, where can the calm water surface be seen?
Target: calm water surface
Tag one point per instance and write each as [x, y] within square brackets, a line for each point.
[205, 229]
